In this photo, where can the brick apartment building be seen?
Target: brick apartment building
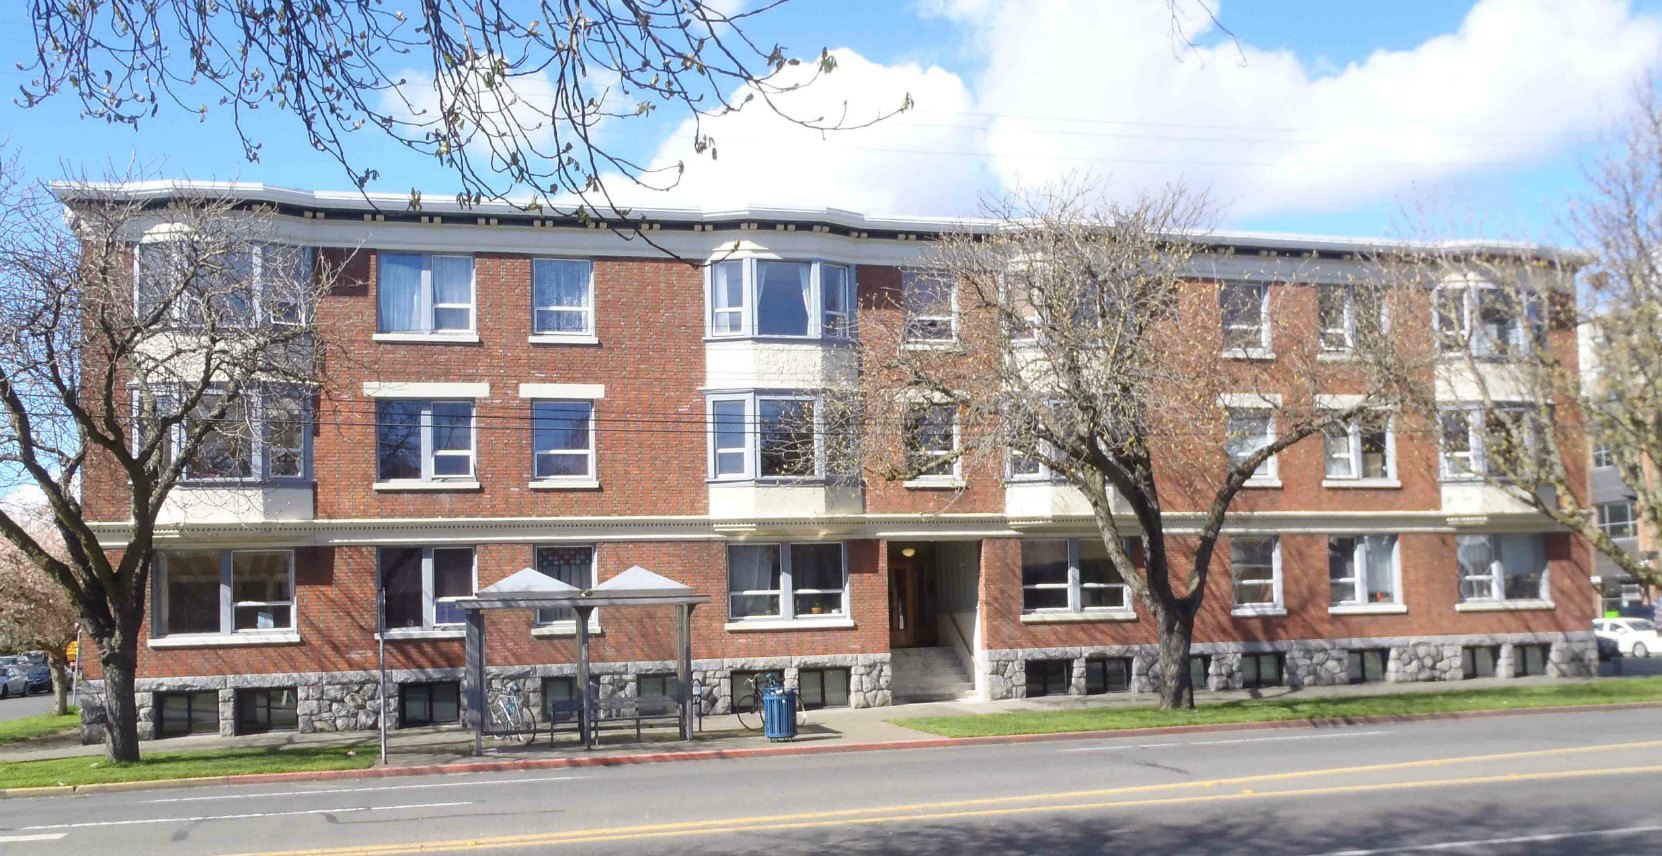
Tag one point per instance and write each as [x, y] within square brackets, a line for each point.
[560, 397]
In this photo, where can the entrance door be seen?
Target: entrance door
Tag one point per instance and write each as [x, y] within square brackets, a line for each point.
[912, 600]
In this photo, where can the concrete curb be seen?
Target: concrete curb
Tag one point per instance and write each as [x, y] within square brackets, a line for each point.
[468, 767]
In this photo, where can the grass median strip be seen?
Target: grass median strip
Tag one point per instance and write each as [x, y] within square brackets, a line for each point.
[93, 769]
[1279, 709]
[30, 727]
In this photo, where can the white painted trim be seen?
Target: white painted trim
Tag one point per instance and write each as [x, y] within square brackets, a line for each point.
[789, 624]
[565, 484]
[1362, 484]
[1338, 402]
[402, 633]
[1247, 354]
[934, 483]
[563, 339]
[1265, 484]
[564, 629]
[421, 389]
[225, 640]
[1504, 605]
[1250, 400]
[580, 391]
[1084, 616]
[1367, 609]
[427, 338]
[1258, 611]
[437, 485]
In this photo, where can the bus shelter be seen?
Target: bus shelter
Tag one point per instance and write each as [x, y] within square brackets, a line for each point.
[531, 589]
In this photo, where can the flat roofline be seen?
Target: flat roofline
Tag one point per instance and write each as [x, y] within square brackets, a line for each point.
[288, 200]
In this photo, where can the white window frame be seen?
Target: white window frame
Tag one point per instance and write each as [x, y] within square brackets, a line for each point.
[750, 292]
[1477, 442]
[428, 453]
[258, 408]
[1278, 605]
[1603, 457]
[1495, 575]
[956, 475]
[1269, 472]
[429, 602]
[226, 560]
[1359, 577]
[587, 308]
[262, 308]
[593, 475]
[787, 591]
[430, 299]
[1076, 585]
[1262, 350]
[910, 275]
[567, 625]
[1472, 290]
[1348, 324]
[1353, 439]
[753, 433]
[1611, 527]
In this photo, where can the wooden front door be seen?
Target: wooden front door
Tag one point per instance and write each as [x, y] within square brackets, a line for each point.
[911, 600]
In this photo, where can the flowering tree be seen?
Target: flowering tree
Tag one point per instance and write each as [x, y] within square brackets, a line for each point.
[35, 612]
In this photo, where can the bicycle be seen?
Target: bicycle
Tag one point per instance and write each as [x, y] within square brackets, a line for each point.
[750, 710]
[510, 716]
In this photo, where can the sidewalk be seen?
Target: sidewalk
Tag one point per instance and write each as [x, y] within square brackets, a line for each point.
[451, 745]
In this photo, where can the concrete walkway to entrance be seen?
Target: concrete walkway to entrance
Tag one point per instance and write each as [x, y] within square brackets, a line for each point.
[453, 745]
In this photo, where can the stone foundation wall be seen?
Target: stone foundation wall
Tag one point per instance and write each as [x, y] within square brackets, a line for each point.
[350, 701]
[1306, 663]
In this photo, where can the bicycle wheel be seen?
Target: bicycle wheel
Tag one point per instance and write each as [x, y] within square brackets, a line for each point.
[527, 727]
[749, 712]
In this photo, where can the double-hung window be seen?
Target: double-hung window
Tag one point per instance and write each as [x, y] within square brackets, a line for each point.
[209, 284]
[562, 297]
[1603, 457]
[419, 293]
[224, 591]
[929, 303]
[423, 440]
[1255, 571]
[1617, 520]
[765, 436]
[1486, 321]
[262, 434]
[1071, 575]
[787, 581]
[1362, 569]
[1502, 567]
[1362, 449]
[1475, 441]
[1346, 314]
[570, 564]
[562, 440]
[1247, 430]
[931, 442]
[1245, 308]
[781, 298]
[422, 585]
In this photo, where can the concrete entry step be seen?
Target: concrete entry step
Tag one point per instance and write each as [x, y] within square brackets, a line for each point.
[928, 674]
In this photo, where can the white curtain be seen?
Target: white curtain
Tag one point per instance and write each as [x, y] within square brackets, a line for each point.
[1381, 577]
[753, 568]
[400, 295]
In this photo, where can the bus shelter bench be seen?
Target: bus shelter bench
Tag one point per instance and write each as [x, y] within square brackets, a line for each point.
[639, 710]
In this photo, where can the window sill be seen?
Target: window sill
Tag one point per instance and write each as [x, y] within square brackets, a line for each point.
[562, 630]
[934, 484]
[1362, 484]
[563, 339]
[1247, 354]
[397, 486]
[1367, 609]
[764, 624]
[1262, 484]
[408, 633]
[226, 640]
[1336, 356]
[1258, 611]
[942, 345]
[1078, 617]
[428, 338]
[565, 484]
[781, 340]
[1504, 605]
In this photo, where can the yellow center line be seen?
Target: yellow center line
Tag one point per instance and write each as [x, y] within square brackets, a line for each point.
[977, 807]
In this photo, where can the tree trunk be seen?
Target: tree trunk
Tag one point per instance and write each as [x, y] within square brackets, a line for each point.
[120, 661]
[60, 681]
[1177, 627]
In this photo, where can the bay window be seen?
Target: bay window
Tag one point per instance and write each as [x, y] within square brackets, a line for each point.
[1617, 520]
[787, 581]
[781, 298]
[1255, 571]
[1361, 569]
[1486, 321]
[1502, 567]
[562, 297]
[1071, 575]
[1361, 449]
[263, 434]
[423, 440]
[422, 585]
[194, 284]
[1474, 441]
[423, 293]
[765, 436]
[224, 592]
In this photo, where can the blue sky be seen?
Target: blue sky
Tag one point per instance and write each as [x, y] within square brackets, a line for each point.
[1328, 117]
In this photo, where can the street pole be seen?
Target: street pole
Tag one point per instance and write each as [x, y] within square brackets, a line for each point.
[381, 645]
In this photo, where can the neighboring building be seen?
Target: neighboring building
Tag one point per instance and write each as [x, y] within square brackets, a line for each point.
[561, 397]
[1613, 506]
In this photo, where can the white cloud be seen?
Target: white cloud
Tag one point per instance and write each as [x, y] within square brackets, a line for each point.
[1278, 133]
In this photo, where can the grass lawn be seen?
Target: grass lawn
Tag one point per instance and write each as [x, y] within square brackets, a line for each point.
[93, 769]
[1263, 710]
[30, 727]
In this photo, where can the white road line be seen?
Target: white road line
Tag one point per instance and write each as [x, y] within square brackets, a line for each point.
[344, 810]
[366, 790]
[1491, 842]
[48, 836]
[1226, 742]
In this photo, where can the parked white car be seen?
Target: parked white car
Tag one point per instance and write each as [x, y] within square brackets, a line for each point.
[1636, 637]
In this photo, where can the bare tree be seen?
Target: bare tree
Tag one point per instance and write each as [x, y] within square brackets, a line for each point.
[1091, 349]
[36, 612]
[122, 378]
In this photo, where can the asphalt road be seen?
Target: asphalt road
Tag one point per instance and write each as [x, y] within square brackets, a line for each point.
[18, 707]
[1561, 783]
